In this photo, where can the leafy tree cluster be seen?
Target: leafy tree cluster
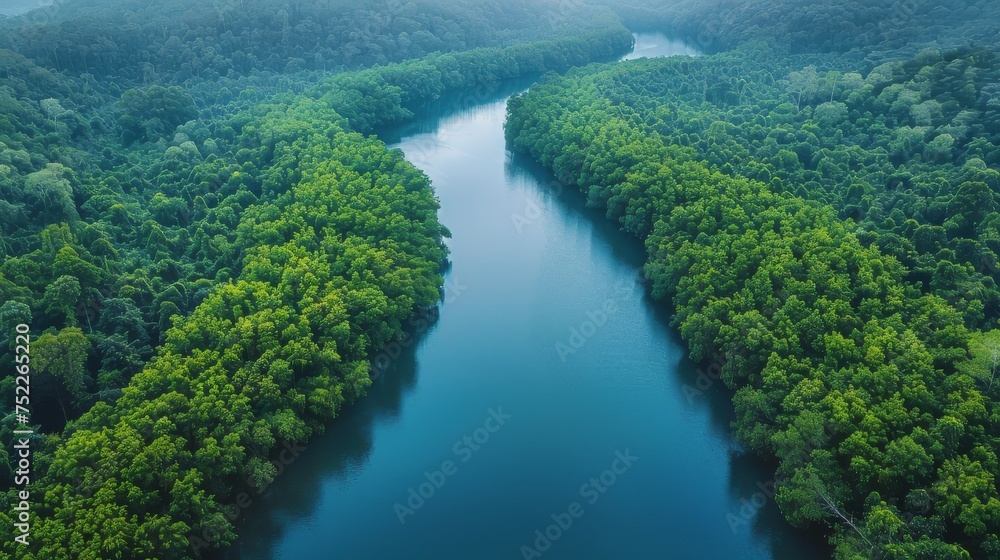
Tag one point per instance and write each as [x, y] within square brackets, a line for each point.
[53, 265]
[206, 288]
[908, 149]
[380, 96]
[172, 42]
[331, 269]
[120, 251]
[868, 388]
[45, 118]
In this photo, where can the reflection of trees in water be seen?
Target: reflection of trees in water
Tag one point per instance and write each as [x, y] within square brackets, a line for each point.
[751, 479]
[751, 488]
[453, 103]
[343, 449]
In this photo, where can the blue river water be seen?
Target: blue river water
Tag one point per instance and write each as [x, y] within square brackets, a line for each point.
[547, 411]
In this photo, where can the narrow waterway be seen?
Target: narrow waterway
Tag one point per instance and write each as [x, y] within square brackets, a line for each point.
[549, 410]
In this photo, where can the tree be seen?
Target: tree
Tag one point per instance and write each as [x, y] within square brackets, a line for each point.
[802, 84]
[52, 192]
[984, 366]
[12, 314]
[61, 298]
[152, 113]
[62, 357]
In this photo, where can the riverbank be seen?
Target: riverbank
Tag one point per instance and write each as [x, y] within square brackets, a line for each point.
[533, 269]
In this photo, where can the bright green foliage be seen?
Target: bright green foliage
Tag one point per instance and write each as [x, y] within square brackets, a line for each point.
[923, 193]
[846, 368]
[355, 247]
[213, 289]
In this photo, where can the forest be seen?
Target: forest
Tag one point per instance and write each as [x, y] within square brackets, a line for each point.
[210, 240]
[822, 210]
[208, 245]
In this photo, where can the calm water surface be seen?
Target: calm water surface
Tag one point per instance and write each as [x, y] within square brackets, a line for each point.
[550, 358]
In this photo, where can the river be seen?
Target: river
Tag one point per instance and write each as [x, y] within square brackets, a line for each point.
[548, 412]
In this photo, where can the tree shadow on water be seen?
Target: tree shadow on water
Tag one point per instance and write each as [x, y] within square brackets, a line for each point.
[697, 386]
[332, 457]
[752, 488]
[429, 115]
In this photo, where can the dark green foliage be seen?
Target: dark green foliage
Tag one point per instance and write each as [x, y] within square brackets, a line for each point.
[173, 42]
[880, 28]
[151, 113]
[770, 207]
[206, 286]
[373, 98]
[906, 150]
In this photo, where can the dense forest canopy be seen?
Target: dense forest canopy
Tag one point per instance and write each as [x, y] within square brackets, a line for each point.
[819, 203]
[878, 28]
[207, 250]
[170, 42]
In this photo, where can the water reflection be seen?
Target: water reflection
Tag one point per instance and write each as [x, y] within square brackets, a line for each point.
[624, 389]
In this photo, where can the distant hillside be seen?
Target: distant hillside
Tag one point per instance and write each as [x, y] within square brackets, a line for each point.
[885, 28]
[173, 41]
